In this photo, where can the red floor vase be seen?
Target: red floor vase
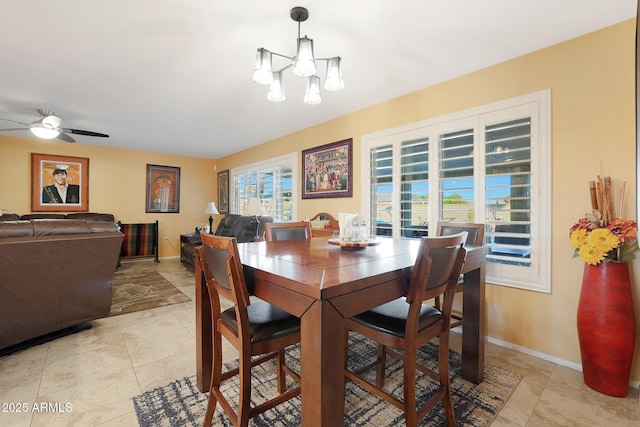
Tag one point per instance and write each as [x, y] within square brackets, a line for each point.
[606, 327]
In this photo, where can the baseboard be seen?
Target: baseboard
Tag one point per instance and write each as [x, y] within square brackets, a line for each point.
[540, 355]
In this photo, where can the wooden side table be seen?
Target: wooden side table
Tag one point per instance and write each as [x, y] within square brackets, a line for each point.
[188, 243]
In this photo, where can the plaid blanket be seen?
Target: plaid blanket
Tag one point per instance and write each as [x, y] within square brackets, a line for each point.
[140, 239]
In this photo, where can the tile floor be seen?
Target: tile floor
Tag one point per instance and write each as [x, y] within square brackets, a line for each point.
[88, 379]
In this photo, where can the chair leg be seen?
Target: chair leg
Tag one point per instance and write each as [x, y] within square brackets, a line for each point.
[244, 399]
[381, 368]
[216, 378]
[281, 376]
[410, 410]
[445, 381]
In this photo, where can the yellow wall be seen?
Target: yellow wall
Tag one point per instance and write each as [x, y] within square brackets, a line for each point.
[117, 184]
[593, 111]
[593, 132]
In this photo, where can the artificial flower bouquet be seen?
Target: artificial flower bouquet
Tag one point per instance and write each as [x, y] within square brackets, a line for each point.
[601, 236]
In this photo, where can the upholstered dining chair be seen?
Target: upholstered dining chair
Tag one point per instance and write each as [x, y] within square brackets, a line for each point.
[475, 237]
[254, 328]
[274, 231]
[406, 324]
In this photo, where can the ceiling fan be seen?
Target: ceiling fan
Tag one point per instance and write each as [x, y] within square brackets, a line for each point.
[48, 127]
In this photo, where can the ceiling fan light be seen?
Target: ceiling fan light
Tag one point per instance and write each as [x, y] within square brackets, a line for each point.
[304, 63]
[262, 73]
[43, 132]
[52, 121]
[334, 80]
[312, 96]
[276, 91]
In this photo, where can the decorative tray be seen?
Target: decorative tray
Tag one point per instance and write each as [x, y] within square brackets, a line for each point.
[352, 245]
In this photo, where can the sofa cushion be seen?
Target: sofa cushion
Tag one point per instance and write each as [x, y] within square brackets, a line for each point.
[43, 216]
[9, 217]
[91, 216]
[48, 227]
[19, 228]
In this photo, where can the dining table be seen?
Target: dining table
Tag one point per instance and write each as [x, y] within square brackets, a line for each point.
[324, 283]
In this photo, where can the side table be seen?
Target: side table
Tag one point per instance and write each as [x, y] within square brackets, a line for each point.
[188, 243]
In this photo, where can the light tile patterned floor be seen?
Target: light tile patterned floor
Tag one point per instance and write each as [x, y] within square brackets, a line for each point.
[97, 371]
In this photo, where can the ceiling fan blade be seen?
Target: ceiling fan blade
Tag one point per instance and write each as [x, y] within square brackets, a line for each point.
[14, 121]
[15, 129]
[64, 137]
[85, 132]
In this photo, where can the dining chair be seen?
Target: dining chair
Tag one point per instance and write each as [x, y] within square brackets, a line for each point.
[406, 324]
[475, 237]
[254, 328]
[275, 231]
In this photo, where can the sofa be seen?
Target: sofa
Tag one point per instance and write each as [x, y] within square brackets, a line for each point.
[54, 274]
[231, 225]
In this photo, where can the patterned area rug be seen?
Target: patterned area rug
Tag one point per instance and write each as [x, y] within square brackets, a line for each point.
[136, 289]
[181, 404]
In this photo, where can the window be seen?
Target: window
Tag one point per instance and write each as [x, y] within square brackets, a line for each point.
[490, 164]
[272, 181]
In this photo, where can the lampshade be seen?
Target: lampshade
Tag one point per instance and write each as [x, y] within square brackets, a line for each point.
[276, 91]
[313, 91]
[304, 64]
[262, 73]
[253, 207]
[210, 209]
[334, 80]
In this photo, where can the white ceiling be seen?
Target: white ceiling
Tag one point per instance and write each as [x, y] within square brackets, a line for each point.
[174, 76]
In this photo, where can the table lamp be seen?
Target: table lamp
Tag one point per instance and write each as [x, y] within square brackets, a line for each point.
[253, 207]
[211, 210]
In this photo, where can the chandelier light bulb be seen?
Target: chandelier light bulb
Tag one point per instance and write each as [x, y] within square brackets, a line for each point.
[312, 96]
[304, 64]
[276, 91]
[334, 80]
[262, 73]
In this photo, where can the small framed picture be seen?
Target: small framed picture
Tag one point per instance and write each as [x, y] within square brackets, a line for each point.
[163, 189]
[223, 192]
[59, 183]
[327, 170]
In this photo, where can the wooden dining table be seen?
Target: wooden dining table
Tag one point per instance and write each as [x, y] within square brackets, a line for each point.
[323, 284]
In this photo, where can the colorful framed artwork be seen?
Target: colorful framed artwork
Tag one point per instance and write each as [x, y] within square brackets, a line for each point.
[327, 170]
[163, 189]
[59, 183]
[223, 192]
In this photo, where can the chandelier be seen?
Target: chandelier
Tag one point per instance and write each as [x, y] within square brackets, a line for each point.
[304, 65]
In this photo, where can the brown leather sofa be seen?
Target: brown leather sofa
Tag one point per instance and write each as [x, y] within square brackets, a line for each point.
[54, 273]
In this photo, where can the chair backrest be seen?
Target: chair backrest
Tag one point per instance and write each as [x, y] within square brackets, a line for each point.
[475, 231]
[437, 268]
[222, 268]
[275, 231]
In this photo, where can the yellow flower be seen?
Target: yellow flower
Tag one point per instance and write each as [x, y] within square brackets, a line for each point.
[603, 239]
[578, 237]
[592, 255]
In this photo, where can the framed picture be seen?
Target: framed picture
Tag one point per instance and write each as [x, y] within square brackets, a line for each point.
[327, 170]
[59, 183]
[223, 192]
[163, 189]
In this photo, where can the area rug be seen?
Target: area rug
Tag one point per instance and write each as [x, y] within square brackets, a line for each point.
[136, 289]
[181, 404]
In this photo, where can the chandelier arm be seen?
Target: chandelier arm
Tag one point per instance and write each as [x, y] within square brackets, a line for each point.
[282, 56]
[284, 68]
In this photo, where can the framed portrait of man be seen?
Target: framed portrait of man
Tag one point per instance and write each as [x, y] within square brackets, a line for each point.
[59, 183]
